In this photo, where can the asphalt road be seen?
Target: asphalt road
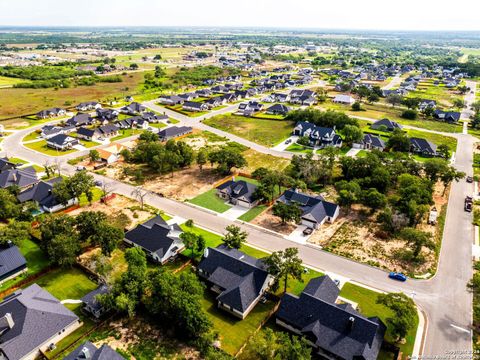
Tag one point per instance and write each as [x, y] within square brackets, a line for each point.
[443, 298]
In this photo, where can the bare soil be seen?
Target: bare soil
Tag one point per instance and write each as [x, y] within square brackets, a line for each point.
[271, 222]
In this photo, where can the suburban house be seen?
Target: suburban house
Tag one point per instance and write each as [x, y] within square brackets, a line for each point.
[42, 194]
[153, 118]
[160, 241]
[319, 136]
[51, 130]
[239, 280]
[170, 100]
[88, 134]
[229, 98]
[107, 114]
[12, 262]
[52, 112]
[194, 106]
[334, 330]
[448, 116]
[423, 147]
[315, 210]
[215, 102]
[174, 132]
[21, 178]
[81, 119]
[89, 105]
[297, 94]
[108, 130]
[92, 305]
[343, 99]
[204, 93]
[188, 96]
[133, 108]
[278, 109]
[62, 142]
[88, 351]
[371, 142]
[387, 123]
[426, 103]
[33, 320]
[240, 193]
[250, 108]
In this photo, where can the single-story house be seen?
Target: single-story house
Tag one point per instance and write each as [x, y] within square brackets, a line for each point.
[250, 108]
[88, 134]
[51, 130]
[297, 93]
[188, 96]
[389, 124]
[240, 193]
[426, 103]
[92, 305]
[81, 119]
[170, 100]
[52, 112]
[108, 130]
[12, 262]
[21, 178]
[32, 321]
[107, 114]
[89, 105]
[335, 331]
[204, 93]
[239, 280]
[229, 98]
[160, 241]
[423, 147]
[153, 118]
[42, 194]
[448, 116]
[343, 99]
[88, 351]
[194, 106]
[371, 142]
[174, 132]
[133, 108]
[215, 102]
[278, 109]
[62, 142]
[315, 209]
[319, 136]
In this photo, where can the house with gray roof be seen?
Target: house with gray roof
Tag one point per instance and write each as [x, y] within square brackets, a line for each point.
[423, 147]
[173, 132]
[373, 142]
[42, 194]
[278, 109]
[387, 123]
[5, 164]
[21, 178]
[160, 241]
[88, 351]
[62, 142]
[318, 135]
[92, 305]
[31, 320]
[334, 330]
[133, 108]
[52, 112]
[81, 119]
[240, 193]
[315, 209]
[12, 262]
[239, 280]
[88, 105]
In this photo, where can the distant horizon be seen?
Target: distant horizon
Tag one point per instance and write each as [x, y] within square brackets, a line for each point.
[366, 15]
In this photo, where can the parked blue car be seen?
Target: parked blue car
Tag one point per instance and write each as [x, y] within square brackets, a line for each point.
[397, 276]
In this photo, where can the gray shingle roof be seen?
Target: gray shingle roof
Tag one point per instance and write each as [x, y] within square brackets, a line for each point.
[37, 317]
[337, 329]
[241, 190]
[91, 298]
[19, 177]
[42, 193]
[241, 277]
[11, 261]
[88, 351]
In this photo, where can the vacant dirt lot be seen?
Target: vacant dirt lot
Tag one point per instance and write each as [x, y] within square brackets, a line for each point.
[272, 222]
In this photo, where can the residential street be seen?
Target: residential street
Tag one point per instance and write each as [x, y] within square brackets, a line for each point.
[444, 298]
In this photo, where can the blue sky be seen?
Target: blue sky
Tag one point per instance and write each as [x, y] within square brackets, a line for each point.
[343, 14]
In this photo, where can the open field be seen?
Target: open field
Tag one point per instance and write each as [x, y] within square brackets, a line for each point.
[8, 81]
[264, 132]
[18, 102]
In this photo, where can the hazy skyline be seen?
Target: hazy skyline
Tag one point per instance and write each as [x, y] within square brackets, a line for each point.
[347, 14]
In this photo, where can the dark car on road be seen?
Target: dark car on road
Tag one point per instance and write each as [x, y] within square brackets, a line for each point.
[308, 231]
[397, 276]
[468, 204]
[469, 179]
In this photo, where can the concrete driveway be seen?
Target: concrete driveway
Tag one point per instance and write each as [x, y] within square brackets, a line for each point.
[234, 213]
[297, 235]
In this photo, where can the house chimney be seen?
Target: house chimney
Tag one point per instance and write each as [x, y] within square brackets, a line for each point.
[351, 321]
[14, 176]
[85, 353]
[205, 252]
[6, 322]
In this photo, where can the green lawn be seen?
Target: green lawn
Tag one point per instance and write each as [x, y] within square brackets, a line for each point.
[124, 133]
[211, 201]
[41, 146]
[252, 213]
[17, 160]
[36, 262]
[262, 131]
[299, 149]
[8, 81]
[97, 194]
[366, 300]
[32, 136]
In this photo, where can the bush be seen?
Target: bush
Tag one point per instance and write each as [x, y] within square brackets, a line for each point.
[409, 114]
[356, 106]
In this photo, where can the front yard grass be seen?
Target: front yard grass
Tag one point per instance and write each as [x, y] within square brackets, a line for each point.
[252, 213]
[97, 195]
[124, 133]
[41, 146]
[366, 300]
[299, 149]
[32, 136]
[261, 131]
[211, 201]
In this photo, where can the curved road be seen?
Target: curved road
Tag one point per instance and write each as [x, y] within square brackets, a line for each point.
[443, 298]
